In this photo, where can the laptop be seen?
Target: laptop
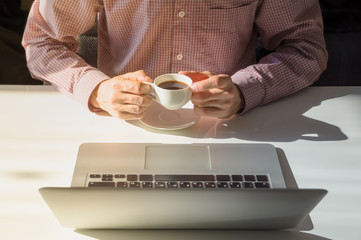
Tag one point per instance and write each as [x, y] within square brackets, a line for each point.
[179, 186]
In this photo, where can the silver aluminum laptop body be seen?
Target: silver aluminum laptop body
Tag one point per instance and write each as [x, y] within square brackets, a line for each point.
[275, 207]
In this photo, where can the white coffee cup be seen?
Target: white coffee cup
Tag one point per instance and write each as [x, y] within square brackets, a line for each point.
[171, 90]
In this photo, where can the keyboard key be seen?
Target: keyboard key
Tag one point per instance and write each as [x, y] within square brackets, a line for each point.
[101, 184]
[235, 185]
[132, 177]
[107, 176]
[184, 178]
[210, 185]
[249, 178]
[184, 185]
[146, 177]
[172, 185]
[197, 184]
[262, 178]
[237, 178]
[160, 184]
[107, 179]
[262, 185]
[247, 185]
[147, 184]
[134, 184]
[94, 175]
[222, 185]
[119, 175]
[223, 178]
[122, 184]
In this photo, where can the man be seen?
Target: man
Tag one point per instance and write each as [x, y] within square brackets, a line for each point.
[212, 41]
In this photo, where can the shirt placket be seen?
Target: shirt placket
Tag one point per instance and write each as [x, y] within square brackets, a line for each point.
[181, 20]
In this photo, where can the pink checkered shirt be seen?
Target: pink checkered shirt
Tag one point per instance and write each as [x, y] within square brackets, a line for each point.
[162, 36]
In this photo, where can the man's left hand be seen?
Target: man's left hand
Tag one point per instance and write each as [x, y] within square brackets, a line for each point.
[214, 95]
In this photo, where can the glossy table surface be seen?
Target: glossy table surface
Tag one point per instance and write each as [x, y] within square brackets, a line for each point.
[318, 130]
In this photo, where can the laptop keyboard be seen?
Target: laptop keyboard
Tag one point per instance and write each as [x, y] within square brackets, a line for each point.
[144, 181]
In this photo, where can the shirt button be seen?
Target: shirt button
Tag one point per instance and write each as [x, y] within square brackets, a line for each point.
[179, 56]
[181, 13]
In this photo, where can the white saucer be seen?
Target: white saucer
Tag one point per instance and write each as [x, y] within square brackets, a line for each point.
[158, 117]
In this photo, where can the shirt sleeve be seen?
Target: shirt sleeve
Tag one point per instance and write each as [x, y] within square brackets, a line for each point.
[293, 30]
[50, 44]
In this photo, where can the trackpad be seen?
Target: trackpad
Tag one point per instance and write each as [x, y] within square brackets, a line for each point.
[177, 158]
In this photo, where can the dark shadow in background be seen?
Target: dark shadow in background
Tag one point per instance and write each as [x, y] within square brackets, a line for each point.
[13, 69]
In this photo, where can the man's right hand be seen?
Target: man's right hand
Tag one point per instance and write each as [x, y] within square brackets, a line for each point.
[123, 96]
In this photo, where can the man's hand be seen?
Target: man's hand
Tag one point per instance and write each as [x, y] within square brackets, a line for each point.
[214, 95]
[123, 96]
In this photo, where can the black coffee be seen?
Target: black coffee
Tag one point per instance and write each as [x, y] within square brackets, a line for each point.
[172, 85]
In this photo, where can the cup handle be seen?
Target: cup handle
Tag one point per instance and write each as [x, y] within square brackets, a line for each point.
[152, 93]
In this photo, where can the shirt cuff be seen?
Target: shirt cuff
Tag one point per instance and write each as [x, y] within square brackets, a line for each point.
[251, 89]
[86, 85]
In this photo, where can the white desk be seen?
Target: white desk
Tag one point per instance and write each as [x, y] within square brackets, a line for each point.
[319, 130]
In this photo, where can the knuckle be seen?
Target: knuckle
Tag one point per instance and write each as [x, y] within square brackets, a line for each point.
[115, 85]
[137, 87]
[139, 100]
[141, 72]
[146, 88]
[217, 81]
[114, 108]
[137, 109]
[114, 99]
[132, 88]
[224, 81]
[143, 101]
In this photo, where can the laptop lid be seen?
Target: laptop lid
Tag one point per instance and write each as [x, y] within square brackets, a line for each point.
[179, 208]
[156, 158]
[111, 208]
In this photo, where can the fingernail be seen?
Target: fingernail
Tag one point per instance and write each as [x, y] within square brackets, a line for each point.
[193, 88]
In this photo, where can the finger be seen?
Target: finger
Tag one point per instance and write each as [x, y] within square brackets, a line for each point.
[132, 99]
[140, 76]
[128, 111]
[128, 116]
[133, 109]
[221, 104]
[130, 86]
[195, 76]
[216, 81]
[144, 88]
[212, 94]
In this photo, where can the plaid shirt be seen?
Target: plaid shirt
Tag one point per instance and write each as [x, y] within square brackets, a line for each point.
[162, 36]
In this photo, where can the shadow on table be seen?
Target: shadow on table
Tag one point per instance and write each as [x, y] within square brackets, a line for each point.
[198, 234]
[280, 121]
